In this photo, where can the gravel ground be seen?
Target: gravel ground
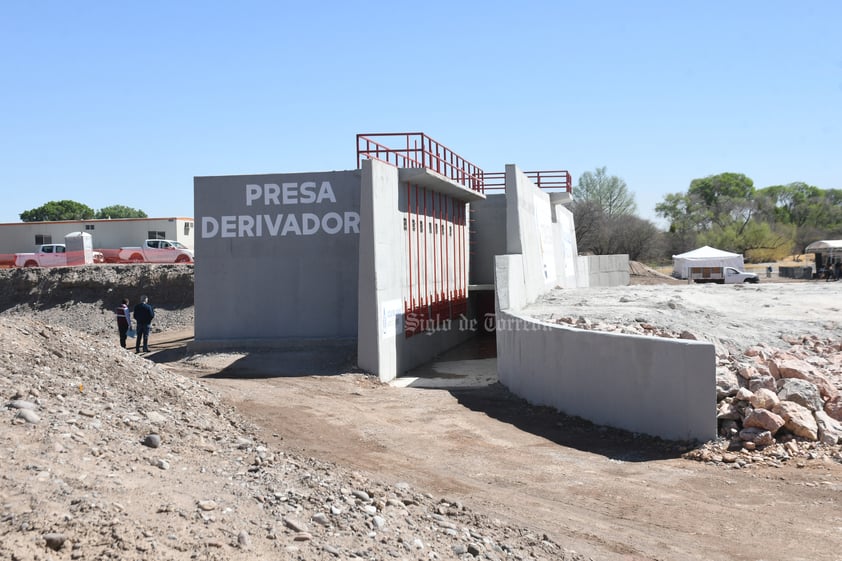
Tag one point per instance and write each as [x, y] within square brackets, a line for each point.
[733, 317]
[107, 455]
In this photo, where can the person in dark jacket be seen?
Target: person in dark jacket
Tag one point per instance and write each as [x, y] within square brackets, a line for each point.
[124, 320]
[143, 315]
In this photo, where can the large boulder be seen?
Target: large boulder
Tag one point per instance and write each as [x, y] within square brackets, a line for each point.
[727, 383]
[833, 407]
[798, 420]
[801, 392]
[764, 419]
[744, 394]
[765, 381]
[764, 398]
[830, 430]
[726, 410]
[791, 367]
[758, 437]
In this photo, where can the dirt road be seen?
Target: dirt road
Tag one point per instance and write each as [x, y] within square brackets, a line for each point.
[603, 493]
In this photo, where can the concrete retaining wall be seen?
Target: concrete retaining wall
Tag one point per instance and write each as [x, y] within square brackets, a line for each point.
[642, 384]
[564, 243]
[529, 232]
[607, 270]
[583, 278]
[657, 386]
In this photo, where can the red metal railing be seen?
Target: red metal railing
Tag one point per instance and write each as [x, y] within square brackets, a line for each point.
[436, 224]
[554, 179]
[417, 150]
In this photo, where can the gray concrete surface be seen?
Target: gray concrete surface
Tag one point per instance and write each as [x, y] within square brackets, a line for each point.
[650, 385]
[390, 213]
[655, 386]
[565, 247]
[277, 256]
[607, 270]
[529, 232]
[380, 287]
[488, 234]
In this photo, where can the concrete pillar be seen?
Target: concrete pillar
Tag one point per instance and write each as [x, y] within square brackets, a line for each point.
[380, 300]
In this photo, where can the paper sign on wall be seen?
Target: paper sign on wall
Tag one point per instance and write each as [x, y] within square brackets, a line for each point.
[389, 312]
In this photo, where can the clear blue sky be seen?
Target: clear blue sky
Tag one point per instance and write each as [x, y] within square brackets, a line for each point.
[124, 102]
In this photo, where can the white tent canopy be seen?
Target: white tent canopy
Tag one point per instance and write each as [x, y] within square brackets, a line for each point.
[705, 257]
[824, 246]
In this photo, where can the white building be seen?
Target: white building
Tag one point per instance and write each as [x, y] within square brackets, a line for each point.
[19, 237]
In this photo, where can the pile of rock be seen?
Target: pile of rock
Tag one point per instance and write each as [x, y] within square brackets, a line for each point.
[106, 455]
[769, 394]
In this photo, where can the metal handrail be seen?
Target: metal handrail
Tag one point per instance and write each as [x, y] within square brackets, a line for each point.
[419, 151]
[552, 179]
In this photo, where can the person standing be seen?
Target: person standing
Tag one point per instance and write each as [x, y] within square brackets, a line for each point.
[143, 315]
[124, 320]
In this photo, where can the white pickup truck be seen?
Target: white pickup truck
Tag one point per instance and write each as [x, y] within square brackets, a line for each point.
[49, 255]
[157, 251]
[721, 275]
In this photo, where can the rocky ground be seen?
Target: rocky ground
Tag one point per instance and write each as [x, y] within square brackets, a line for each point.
[107, 455]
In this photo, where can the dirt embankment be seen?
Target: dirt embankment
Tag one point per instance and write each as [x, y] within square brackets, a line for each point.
[168, 286]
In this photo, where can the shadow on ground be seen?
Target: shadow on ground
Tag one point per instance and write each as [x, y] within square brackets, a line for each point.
[468, 372]
[498, 403]
[283, 364]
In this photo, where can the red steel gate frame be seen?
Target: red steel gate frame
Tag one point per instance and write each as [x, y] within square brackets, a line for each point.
[437, 287]
[430, 307]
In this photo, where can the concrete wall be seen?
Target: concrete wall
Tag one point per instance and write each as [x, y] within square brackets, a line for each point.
[652, 385]
[662, 387]
[533, 218]
[277, 256]
[642, 384]
[584, 268]
[564, 242]
[386, 249]
[488, 236]
[607, 270]
[529, 232]
[380, 318]
[110, 234]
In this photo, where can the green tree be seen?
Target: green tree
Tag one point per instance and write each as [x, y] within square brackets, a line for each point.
[725, 199]
[815, 213]
[726, 211]
[58, 210]
[758, 241]
[609, 192]
[120, 211]
[796, 203]
[679, 209]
